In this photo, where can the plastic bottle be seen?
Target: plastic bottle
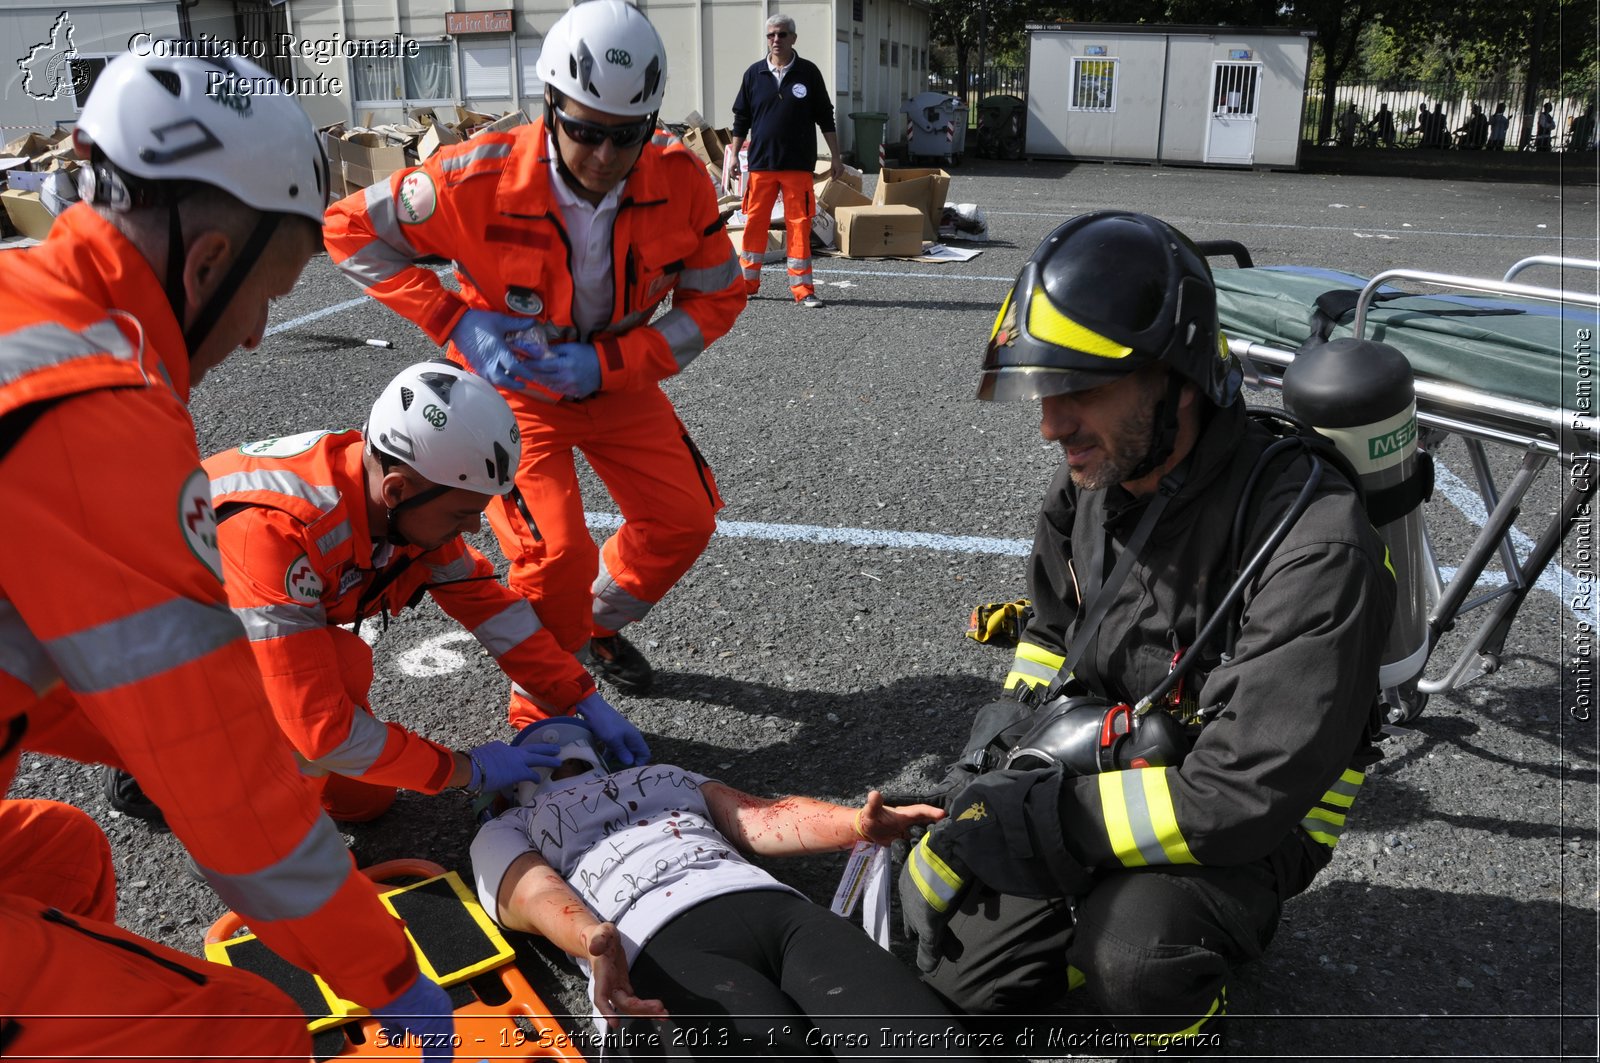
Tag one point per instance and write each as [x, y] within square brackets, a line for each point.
[530, 343]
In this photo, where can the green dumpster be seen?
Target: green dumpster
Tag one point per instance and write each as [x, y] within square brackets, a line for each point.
[869, 134]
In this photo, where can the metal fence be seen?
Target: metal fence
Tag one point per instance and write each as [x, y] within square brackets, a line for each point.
[1455, 100]
[994, 80]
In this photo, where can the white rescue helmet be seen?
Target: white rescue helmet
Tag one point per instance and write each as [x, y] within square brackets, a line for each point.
[606, 55]
[449, 425]
[576, 741]
[221, 121]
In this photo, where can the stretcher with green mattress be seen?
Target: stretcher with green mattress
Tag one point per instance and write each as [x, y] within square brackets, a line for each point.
[1498, 363]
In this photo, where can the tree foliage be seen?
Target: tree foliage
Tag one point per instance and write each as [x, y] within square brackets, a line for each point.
[1542, 42]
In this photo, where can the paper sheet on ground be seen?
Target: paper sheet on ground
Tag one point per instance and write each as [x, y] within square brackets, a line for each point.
[944, 253]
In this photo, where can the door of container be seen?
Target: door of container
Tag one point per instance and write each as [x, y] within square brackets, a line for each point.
[1235, 99]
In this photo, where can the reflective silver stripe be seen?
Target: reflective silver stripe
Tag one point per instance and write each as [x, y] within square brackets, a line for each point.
[508, 629]
[143, 644]
[1140, 825]
[264, 622]
[477, 154]
[614, 608]
[460, 568]
[277, 481]
[632, 321]
[391, 253]
[333, 536]
[21, 653]
[374, 263]
[294, 887]
[711, 279]
[380, 204]
[1324, 826]
[1032, 670]
[799, 265]
[360, 749]
[50, 343]
[1343, 793]
[935, 880]
[682, 334]
[662, 139]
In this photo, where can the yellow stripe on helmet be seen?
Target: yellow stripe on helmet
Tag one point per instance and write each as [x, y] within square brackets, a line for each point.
[1047, 323]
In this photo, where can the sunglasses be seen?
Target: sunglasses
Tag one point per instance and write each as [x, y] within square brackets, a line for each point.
[593, 134]
[777, 34]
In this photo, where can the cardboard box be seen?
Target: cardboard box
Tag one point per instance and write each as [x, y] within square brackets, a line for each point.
[924, 189]
[832, 194]
[776, 247]
[824, 230]
[366, 158]
[437, 136]
[704, 143]
[27, 214]
[28, 146]
[509, 120]
[847, 174]
[879, 231]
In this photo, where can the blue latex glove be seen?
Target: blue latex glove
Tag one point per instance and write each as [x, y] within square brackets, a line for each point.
[623, 740]
[421, 1017]
[573, 370]
[496, 766]
[480, 336]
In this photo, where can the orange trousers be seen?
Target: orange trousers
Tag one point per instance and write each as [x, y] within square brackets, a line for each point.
[799, 207]
[665, 490]
[73, 984]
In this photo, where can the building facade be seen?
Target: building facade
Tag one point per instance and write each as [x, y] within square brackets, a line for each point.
[351, 60]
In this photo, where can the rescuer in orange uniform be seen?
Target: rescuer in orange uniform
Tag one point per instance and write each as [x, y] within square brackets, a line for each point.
[116, 640]
[579, 226]
[322, 529]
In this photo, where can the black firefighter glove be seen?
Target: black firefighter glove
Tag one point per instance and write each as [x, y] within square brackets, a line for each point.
[1004, 831]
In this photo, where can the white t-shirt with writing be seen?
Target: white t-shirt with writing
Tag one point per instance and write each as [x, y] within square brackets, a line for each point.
[638, 845]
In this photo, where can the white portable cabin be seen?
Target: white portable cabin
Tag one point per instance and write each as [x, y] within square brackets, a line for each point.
[1205, 95]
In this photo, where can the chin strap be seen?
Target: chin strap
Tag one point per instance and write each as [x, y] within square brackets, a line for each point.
[421, 498]
[243, 263]
[1164, 433]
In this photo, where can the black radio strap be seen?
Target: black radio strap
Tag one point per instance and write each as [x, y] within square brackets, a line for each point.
[1089, 624]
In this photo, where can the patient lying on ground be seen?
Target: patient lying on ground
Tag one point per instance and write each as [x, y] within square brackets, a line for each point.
[691, 950]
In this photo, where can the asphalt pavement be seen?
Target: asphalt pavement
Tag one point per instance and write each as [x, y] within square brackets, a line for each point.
[817, 646]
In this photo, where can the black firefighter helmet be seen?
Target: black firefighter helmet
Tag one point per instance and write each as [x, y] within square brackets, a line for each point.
[1103, 295]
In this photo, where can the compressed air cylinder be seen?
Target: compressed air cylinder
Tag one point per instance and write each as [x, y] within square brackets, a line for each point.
[1361, 395]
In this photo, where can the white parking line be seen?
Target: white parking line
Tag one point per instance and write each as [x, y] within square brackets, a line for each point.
[813, 533]
[306, 319]
[1555, 579]
[1554, 235]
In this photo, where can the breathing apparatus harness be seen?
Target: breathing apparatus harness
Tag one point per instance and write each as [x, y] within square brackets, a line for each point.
[1088, 734]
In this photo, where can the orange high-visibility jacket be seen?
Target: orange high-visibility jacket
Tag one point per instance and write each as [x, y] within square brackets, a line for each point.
[298, 555]
[488, 201]
[115, 631]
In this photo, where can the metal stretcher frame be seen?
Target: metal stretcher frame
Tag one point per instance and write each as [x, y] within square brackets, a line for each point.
[1541, 433]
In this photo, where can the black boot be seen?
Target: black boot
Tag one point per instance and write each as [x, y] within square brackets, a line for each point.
[124, 795]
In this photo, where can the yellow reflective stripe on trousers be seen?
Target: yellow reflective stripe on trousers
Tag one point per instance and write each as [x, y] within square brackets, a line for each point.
[1033, 665]
[1219, 1008]
[1136, 807]
[935, 881]
[1326, 824]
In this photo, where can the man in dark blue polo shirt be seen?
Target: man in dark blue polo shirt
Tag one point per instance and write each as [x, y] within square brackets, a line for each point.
[780, 100]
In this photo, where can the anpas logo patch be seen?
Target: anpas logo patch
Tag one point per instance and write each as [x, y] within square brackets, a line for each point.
[302, 583]
[282, 446]
[417, 198]
[199, 521]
